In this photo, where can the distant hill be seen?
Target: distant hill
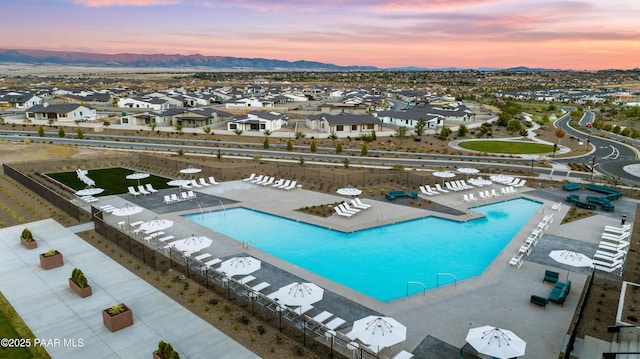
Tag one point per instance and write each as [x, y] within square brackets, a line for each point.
[162, 60]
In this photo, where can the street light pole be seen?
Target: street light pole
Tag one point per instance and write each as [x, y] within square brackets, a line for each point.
[593, 164]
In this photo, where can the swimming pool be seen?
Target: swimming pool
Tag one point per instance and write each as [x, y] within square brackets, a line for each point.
[380, 261]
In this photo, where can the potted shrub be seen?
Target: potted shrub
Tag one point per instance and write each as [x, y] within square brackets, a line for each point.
[27, 240]
[78, 283]
[165, 351]
[51, 259]
[117, 316]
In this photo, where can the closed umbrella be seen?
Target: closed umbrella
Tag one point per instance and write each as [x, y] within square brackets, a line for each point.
[496, 342]
[380, 332]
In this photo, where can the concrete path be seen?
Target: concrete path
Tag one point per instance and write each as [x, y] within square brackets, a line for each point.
[52, 311]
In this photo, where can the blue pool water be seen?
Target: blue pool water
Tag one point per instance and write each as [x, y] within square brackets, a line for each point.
[380, 261]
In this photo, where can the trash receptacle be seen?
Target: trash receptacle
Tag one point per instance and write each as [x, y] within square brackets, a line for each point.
[624, 218]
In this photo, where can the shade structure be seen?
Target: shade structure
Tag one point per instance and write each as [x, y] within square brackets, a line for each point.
[89, 191]
[378, 332]
[349, 191]
[571, 258]
[179, 183]
[192, 244]
[190, 170]
[138, 176]
[468, 171]
[240, 266]
[444, 174]
[496, 342]
[156, 224]
[127, 210]
[298, 294]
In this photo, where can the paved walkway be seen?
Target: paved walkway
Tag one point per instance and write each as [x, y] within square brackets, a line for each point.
[52, 311]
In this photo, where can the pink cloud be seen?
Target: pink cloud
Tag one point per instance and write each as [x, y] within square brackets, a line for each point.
[428, 5]
[105, 3]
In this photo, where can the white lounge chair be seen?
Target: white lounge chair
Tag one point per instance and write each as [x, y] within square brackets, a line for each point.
[203, 257]
[191, 195]
[292, 185]
[212, 262]
[431, 190]
[268, 182]
[247, 279]
[174, 198]
[516, 261]
[142, 190]
[556, 206]
[617, 230]
[473, 198]
[203, 182]
[482, 195]
[345, 210]
[340, 212]
[322, 316]
[614, 237]
[335, 323]
[346, 206]
[153, 235]
[466, 198]
[260, 286]
[494, 193]
[440, 188]
[609, 256]
[133, 191]
[356, 205]
[184, 196]
[257, 179]
[278, 183]
[359, 202]
[253, 175]
[167, 199]
[150, 188]
[285, 184]
[423, 189]
[195, 184]
[213, 180]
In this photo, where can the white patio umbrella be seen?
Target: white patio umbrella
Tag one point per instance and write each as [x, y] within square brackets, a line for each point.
[239, 266]
[444, 174]
[570, 258]
[468, 171]
[496, 342]
[298, 294]
[380, 332]
[138, 176]
[89, 191]
[156, 224]
[190, 170]
[179, 183]
[349, 191]
[127, 210]
[191, 244]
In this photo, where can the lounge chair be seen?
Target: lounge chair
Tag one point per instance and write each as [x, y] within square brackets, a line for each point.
[344, 209]
[356, 205]
[423, 189]
[142, 190]
[322, 316]
[133, 191]
[213, 180]
[335, 323]
[516, 261]
[466, 198]
[340, 212]
[174, 198]
[285, 184]
[184, 196]
[431, 190]
[195, 184]
[609, 256]
[525, 249]
[167, 199]
[362, 204]
[212, 262]
[257, 179]
[203, 182]
[550, 276]
[290, 186]
[150, 188]
[346, 206]
[482, 195]
[440, 188]
[616, 238]
[451, 187]
[618, 230]
[247, 279]
[268, 182]
[520, 183]
[473, 198]
[277, 183]
[465, 185]
[153, 235]
[191, 195]
[260, 286]
[494, 193]
[166, 238]
[253, 175]
[203, 257]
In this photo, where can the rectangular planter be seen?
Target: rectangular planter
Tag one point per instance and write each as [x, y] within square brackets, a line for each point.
[118, 321]
[29, 244]
[82, 292]
[48, 262]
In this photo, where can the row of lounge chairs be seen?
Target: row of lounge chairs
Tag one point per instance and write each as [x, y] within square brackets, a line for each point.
[345, 210]
[142, 190]
[431, 191]
[486, 194]
[532, 240]
[612, 250]
[201, 182]
[264, 180]
[508, 180]
[184, 196]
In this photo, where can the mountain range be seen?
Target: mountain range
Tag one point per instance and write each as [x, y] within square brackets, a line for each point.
[36, 57]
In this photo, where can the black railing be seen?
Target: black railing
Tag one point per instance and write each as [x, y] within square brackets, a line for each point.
[579, 314]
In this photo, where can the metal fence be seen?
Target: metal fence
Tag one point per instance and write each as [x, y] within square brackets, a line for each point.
[43, 191]
[301, 326]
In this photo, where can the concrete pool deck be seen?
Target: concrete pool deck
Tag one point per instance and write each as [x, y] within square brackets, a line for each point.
[499, 297]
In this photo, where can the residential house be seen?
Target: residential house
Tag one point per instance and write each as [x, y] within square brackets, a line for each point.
[248, 102]
[63, 112]
[147, 102]
[19, 100]
[343, 123]
[258, 121]
[410, 117]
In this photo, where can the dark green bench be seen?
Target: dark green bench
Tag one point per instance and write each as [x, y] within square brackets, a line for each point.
[536, 299]
[604, 203]
[571, 187]
[559, 292]
[585, 205]
[573, 198]
[550, 276]
[612, 192]
[400, 193]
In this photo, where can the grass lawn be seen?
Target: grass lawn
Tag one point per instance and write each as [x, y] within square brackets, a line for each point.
[112, 180]
[509, 147]
[12, 326]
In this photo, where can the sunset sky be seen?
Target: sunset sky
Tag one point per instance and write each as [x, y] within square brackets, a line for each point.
[580, 35]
